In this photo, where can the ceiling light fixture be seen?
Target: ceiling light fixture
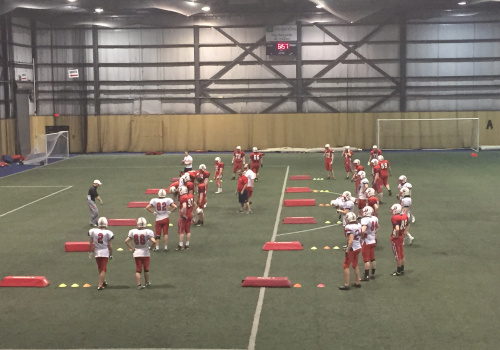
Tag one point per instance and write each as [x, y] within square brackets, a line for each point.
[72, 0]
[205, 8]
[462, 3]
[192, 3]
[319, 6]
[99, 10]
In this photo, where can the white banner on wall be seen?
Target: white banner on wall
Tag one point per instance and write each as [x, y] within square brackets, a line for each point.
[73, 73]
[281, 33]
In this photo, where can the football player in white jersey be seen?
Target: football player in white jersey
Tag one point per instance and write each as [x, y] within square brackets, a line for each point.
[161, 207]
[338, 204]
[347, 206]
[141, 237]
[403, 182]
[405, 202]
[353, 236]
[361, 191]
[369, 227]
[100, 240]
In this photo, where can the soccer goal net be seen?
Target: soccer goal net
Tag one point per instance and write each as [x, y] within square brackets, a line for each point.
[48, 148]
[446, 133]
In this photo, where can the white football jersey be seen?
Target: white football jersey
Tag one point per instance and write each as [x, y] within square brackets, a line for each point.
[371, 223]
[406, 204]
[347, 205]
[161, 207]
[355, 230]
[101, 237]
[251, 177]
[362, 188]
[141, 238]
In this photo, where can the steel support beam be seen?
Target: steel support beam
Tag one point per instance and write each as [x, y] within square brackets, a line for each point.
[299, 88]
[5, 65]
[197, 72]
[95, 61]
[402, 66]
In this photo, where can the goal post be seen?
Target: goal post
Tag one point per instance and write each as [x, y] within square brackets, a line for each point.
[440, 133]
[48, 148]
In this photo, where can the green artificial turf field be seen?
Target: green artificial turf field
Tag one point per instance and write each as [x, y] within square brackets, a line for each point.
[447, 298]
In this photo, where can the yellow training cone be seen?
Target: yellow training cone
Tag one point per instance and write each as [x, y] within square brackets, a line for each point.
[170, 225]
[119, 250]
[339, 222]
[211, 180]
[74, 285]
[149, 225]
[327, 222]
[62, 285]
[327, 191]
[336, 247]
[322, 191]
[313, 248]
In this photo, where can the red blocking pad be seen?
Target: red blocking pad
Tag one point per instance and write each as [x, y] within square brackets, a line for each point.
[137, 204]
[24, 281]
[300, 177]
[152, 191]
[278, 282]
[297, 189]
[299, 202]
[77, 246]
[299, 220]
[282, 246]
[122, 222]
[174, 179]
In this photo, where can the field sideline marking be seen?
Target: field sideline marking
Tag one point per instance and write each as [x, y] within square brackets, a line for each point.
[260, 302]
[38, 200]
[39, 186]
[135, 349]
[312, 229]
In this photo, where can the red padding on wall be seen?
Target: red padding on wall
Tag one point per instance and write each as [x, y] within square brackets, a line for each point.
[77, 247]
[24, 281]
[299, 220]
[282, 246]
[277, 282]
[299, 202]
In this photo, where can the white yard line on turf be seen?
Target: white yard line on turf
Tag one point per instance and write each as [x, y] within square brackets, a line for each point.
[38, 200]
[260, 302]
[135, 349]
[38, 186]
[311, 229]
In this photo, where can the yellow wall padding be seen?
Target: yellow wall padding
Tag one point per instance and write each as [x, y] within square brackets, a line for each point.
[38, 124]
[223, 132]
[7, 136]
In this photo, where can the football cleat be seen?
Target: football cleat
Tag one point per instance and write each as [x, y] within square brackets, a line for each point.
[344, 287]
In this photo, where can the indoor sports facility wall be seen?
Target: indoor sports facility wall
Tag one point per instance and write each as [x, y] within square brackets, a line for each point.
[223, 132]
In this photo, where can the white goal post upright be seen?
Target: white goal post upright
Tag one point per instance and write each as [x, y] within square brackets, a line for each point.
[49, 147]
[439, 133]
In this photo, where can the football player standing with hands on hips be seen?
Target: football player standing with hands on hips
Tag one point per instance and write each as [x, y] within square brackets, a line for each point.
[141, 237]
[161, 207]
[100, 239]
